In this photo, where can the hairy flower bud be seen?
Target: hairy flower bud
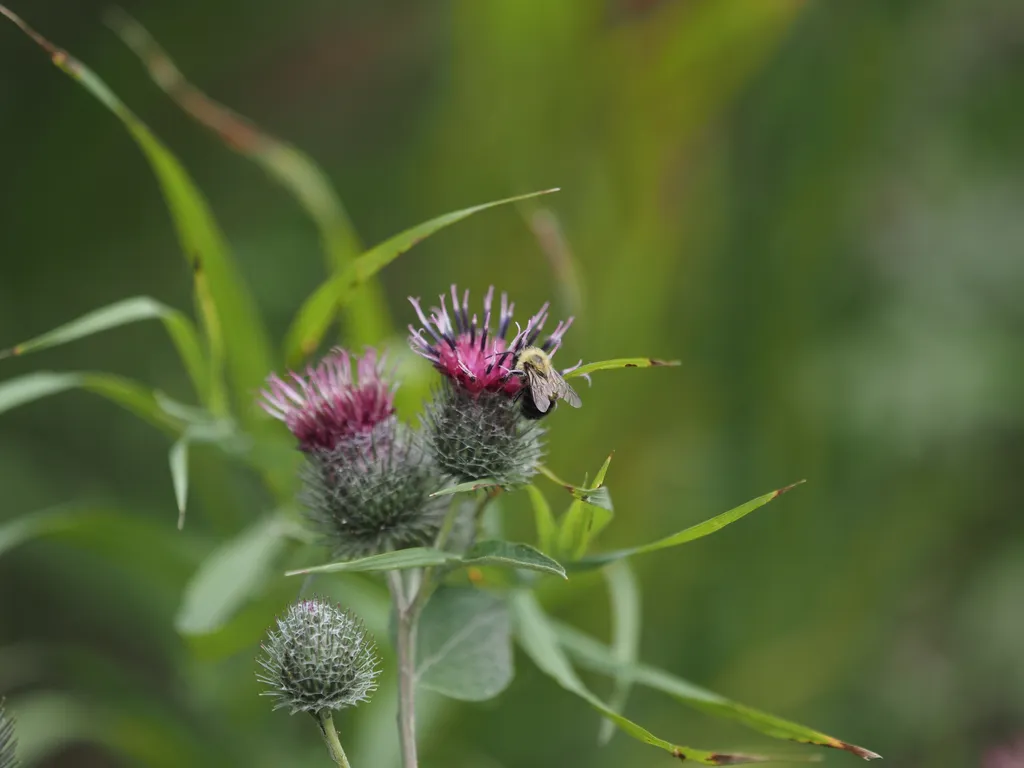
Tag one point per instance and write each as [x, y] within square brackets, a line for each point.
[319, 658]
[8, 744]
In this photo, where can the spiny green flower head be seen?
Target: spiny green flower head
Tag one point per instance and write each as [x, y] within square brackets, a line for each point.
[319, 657]
[474, 425]
[8, 759]
[366, 482]
[373, 495]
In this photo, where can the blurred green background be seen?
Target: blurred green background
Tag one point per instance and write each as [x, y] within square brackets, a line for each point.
[815, 206]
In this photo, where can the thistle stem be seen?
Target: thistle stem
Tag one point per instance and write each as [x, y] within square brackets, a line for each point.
[405, 647]
[409, 604]
[326, 720]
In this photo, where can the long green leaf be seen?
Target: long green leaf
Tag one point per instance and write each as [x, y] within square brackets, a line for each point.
[126, 393]
[181, 329]
[319, 310]
[596, 656]
[229, 577]
[624, 600]
[692, 533]
[538, 639]
[245, 340]
[497, 553]
[622, 362]
[366, 314]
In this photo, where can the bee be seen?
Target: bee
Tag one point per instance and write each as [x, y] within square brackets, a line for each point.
[543, 385]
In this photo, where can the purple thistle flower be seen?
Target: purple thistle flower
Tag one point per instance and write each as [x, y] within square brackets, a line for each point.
[472, 355]
[330, 404]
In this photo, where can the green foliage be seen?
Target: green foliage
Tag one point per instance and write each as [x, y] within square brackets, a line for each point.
[463, 644]
[464, 648]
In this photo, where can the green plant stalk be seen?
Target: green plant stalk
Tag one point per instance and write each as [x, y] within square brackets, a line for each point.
[408, 609]
[325, 718]
[407, 614]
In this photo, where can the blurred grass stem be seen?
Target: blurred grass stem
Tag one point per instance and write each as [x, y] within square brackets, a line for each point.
[407, 612]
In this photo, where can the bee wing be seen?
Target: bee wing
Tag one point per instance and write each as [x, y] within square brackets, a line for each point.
[566, 392]
[541, 390]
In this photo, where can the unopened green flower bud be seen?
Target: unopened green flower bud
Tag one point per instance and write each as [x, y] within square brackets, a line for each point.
[319, 658]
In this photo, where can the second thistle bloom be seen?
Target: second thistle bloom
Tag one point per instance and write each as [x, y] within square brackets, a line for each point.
[366, 483]
[474, 427]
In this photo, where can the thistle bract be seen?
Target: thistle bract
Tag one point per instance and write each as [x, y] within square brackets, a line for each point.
[474, 428]
[8, 744]
[473, 437]
[320, 657]
[372, 494]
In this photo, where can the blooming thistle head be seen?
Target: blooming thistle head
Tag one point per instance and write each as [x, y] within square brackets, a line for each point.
[474, 425]
[473, 356]
[366, 482]
[320, 657]
[8, 744]
[331, 405]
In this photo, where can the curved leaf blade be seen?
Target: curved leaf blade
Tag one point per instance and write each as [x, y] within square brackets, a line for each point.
[687, 535]
[232, 574]
[319, 309]
[597, 657]
[625, 605]
[512, 555]
[124, 392]
[502, 554]
[621, 362]
[367, 314]
[180, 328]
[538, 639]
[203, 245]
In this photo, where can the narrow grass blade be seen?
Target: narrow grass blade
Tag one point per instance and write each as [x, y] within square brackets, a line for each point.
[596, 656]
[126, 393]
[181, 329]
[319, 310]
[539, 641]
[366, 315]
[622, 362]
[687, 535]
[245, 340]
[625, 604]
